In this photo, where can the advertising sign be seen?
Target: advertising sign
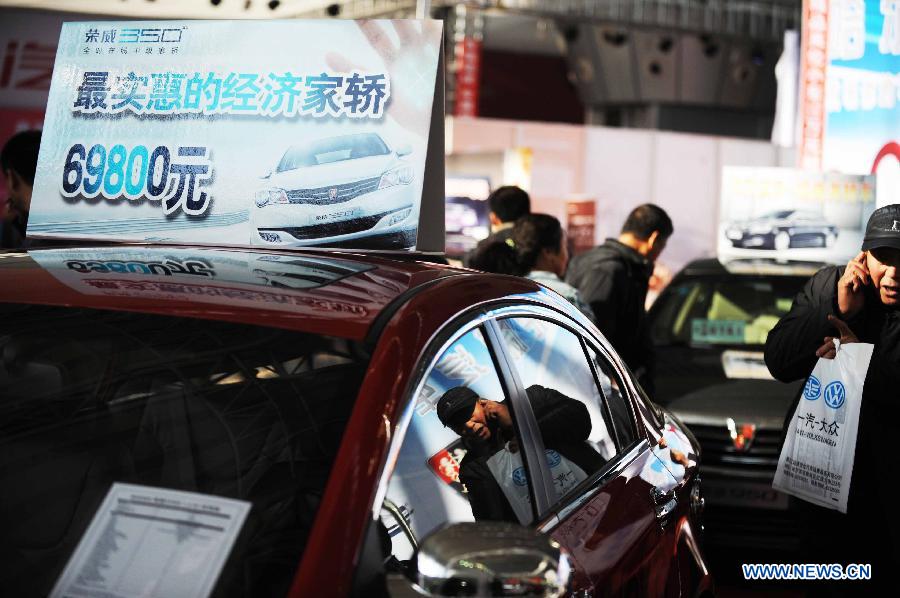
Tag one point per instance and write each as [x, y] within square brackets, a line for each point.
[466, 213]
[787, 214]
[581, 220]
[813, 68]
[863, 84]
[277, 134]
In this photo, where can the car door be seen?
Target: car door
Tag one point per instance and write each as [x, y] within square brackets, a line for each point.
[425, 488]
[613, 520]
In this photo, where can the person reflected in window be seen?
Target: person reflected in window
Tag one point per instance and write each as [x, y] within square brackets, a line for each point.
[486, 426]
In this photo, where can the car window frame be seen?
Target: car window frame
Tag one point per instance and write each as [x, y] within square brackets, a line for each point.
[436, 347]
[547, 514]
[560, 508]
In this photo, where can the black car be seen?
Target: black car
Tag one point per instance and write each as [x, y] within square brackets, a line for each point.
[783, 229]
[709, 327]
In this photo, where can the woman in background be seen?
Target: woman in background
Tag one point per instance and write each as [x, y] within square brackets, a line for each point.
[536, 250]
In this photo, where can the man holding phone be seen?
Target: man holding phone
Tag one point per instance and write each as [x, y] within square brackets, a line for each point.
[861, 303]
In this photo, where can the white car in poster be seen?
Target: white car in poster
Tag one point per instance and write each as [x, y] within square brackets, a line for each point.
[781, 230]
[335, 190]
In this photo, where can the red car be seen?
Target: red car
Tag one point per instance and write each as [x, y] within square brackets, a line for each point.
[307, 385]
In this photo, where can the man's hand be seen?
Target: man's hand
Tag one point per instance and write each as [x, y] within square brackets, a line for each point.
[828, 350]
[497, 412]
[850, 286]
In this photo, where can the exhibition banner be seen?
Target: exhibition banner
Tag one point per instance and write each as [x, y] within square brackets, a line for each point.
[862, 93]
[787, 214]
[277, 134]
[581, 220]
[813, 69]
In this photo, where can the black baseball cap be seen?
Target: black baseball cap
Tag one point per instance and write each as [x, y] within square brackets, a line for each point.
[883, 229]
[455, 407]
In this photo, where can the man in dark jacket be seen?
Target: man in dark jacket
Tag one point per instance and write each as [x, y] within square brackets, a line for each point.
[860, 301]
[613, 278]
[486, 426]
[507, 204]
[18, 160]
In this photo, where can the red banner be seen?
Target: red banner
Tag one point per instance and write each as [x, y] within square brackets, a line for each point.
[468, 58]
[813, 67]
[580, 224]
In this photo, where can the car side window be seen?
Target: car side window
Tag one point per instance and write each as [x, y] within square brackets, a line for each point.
[559, 384]
[613, 390]
[451, 461]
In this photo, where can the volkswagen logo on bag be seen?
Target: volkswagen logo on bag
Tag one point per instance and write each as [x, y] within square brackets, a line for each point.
[518, 476]
[553, 458]
[332, 193]
[835, 394]
[812, 389]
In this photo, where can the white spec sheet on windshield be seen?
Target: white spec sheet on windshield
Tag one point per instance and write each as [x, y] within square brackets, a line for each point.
[147, 541]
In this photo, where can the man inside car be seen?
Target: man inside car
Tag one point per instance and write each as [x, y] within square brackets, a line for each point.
[486, 426]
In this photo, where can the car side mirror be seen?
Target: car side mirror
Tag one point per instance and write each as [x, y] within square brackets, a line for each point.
[268, 174]
[404, 150]
[488, 558]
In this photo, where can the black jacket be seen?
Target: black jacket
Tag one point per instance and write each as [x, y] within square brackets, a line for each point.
[501, 235]
[565, 425]
[12, 233]
[790, 355]
[613, 278]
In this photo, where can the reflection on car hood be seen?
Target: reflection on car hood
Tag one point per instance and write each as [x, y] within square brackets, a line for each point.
[334, 173]
[761, 402]
[317, 291]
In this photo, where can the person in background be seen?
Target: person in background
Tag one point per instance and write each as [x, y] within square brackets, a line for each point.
[497, 257]
[543, 256]
[614, 277]
[537, 250]
[853, 303]
[507, 204]
[18, 160]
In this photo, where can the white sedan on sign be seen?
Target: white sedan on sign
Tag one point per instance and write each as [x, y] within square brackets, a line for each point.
[344, 188]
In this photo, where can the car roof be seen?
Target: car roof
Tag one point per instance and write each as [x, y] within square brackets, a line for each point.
[350, 293]
[751, 267]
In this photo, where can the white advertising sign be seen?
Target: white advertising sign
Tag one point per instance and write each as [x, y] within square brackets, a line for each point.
[147, 541]
[792, 215]
[276, 134]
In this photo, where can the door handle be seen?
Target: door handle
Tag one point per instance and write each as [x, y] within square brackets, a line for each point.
[664, 504]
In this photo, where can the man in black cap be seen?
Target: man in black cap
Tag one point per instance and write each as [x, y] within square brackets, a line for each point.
[860, 302]
[486, 426]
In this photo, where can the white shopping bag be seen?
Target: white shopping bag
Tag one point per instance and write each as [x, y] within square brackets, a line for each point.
[509, 471]
[816, 462]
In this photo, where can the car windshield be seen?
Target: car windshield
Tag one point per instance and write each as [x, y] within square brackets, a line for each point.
[91, 398]
[737, 310]
[333, 149]
[777, 215]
